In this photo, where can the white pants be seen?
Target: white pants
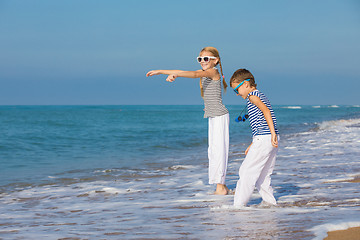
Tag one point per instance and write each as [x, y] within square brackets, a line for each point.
[218, 150]
[255, 170]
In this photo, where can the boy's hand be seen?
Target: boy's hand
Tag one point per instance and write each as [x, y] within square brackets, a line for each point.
[274, 140]
[247, 150]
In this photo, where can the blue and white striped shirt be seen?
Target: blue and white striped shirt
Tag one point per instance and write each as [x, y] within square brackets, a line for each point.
[258, 122]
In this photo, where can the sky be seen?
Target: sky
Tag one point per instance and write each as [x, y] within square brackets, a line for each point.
[92, 52]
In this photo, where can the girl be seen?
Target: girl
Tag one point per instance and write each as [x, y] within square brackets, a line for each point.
[215, 111]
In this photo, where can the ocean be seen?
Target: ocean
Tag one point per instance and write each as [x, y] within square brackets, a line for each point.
[140, 172]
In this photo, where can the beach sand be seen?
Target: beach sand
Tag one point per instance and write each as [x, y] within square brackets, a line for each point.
[348, 234]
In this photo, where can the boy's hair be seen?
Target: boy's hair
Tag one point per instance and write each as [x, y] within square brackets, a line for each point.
[241, 75]
[215, 52]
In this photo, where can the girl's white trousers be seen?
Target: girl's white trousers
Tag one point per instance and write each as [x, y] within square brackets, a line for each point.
[255, 171]
[218, 150]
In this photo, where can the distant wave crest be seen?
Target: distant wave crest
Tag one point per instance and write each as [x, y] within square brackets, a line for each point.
[340, 124]
[292, 107]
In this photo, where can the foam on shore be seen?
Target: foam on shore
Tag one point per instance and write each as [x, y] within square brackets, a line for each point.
[321, 231]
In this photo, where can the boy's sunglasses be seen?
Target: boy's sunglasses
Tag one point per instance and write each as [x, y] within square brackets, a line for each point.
[206, 58]
[236, 89]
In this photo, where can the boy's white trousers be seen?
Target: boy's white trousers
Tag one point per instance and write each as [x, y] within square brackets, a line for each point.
[255, 171]
[218, 151]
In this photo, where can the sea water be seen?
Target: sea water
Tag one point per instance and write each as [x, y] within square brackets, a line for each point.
[140, 172]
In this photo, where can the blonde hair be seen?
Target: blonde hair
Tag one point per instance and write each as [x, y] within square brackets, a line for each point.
[216, 54]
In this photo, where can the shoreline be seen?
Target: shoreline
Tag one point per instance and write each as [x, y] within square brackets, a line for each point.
[352, 233]
[339, 230]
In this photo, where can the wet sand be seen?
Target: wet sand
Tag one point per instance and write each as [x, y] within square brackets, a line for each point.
[355, 180]
[348, 234]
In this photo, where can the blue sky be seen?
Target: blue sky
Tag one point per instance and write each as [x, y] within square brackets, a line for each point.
[98, 52]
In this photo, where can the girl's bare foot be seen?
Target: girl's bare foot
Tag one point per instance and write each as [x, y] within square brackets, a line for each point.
[221, 189]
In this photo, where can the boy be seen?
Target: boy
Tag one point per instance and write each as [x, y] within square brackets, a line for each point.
[261, 154]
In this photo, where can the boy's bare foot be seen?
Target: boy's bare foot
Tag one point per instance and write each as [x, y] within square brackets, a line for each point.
[221, 189]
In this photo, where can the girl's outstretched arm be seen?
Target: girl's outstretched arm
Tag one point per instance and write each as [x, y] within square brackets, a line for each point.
[158, 72]
[211, 73]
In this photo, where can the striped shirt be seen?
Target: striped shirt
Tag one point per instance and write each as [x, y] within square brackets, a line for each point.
[212, 98]
[258, 122]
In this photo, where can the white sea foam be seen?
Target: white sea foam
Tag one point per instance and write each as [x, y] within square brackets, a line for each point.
[292, 107]
[292, 147]
[106, 171]
[338, 180]
[322, 230]
[231, 208]
[176, 167]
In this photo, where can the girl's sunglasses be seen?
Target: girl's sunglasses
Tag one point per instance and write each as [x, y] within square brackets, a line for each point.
[206, 58]
[236, 89]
